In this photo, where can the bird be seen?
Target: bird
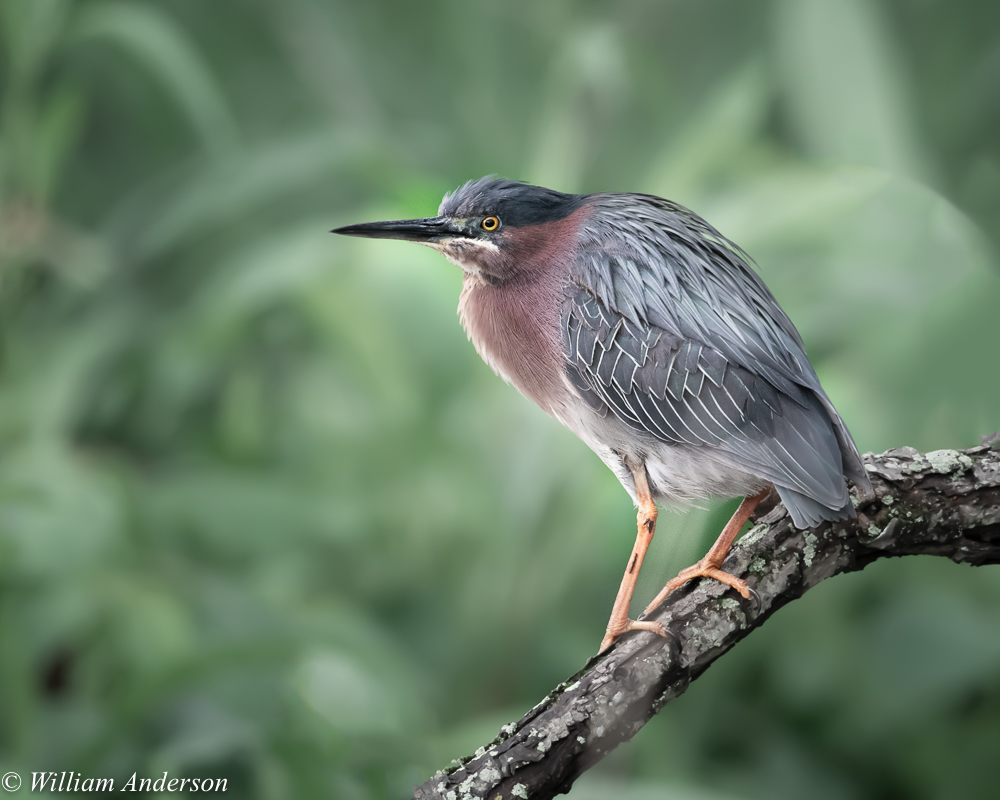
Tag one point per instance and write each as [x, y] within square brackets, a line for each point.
[641, 328]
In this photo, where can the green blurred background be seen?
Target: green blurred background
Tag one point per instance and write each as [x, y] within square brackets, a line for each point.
[265, 515]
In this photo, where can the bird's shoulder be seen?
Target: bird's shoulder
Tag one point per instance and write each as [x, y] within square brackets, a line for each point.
[659, 265]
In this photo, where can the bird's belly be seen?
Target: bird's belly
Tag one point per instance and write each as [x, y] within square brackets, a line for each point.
[685, 475]
[678, 474]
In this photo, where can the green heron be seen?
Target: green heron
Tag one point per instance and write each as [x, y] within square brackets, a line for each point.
[645, 331]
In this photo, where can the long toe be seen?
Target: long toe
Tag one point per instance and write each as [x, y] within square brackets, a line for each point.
[615, 632]
[700, 570]
[738, 584]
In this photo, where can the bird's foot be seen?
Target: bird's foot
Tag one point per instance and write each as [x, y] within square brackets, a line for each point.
[621, 626]
[703, 569]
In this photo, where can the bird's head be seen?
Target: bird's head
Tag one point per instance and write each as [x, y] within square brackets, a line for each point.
[493, 229]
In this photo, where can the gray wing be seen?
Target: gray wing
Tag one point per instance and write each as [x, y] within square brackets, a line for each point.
[679, 338]
[685, 393]
[657, 263]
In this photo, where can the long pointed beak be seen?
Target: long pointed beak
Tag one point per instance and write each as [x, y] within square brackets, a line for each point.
[430, 229]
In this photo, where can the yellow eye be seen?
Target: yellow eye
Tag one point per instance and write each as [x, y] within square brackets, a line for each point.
[490, 224]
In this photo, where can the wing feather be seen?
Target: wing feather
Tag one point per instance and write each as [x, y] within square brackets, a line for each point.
[690, 394]
[669, 327]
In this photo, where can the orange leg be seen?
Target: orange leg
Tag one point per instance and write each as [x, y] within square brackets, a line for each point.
[619, 622]
[708, 567]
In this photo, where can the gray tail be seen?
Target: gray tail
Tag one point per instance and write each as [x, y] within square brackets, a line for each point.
[808, 513]
[854, 467]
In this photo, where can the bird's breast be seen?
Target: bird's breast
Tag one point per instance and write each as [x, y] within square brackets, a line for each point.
[515, 329]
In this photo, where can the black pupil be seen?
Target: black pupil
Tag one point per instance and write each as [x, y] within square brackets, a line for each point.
[490, 223]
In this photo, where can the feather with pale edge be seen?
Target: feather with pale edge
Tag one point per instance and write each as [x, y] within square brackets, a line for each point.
[668, 327]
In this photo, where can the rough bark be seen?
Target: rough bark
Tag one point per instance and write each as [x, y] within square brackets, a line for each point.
[943, 503]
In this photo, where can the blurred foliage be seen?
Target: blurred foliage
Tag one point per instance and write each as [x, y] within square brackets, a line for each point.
[264, 514]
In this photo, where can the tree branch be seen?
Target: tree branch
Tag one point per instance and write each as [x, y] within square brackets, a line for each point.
[943, 503]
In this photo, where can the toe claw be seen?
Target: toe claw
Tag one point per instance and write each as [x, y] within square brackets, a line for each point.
[661, 630]
[757, 602]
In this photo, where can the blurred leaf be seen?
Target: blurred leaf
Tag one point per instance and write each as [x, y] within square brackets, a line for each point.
[170, 213]
[719, 139]
[847, 88]
[589, 788]
[30, 32]
[58, 130]
[153, 38]
[585, 85]
[898, 665]
[59, 515]
[348, 695]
